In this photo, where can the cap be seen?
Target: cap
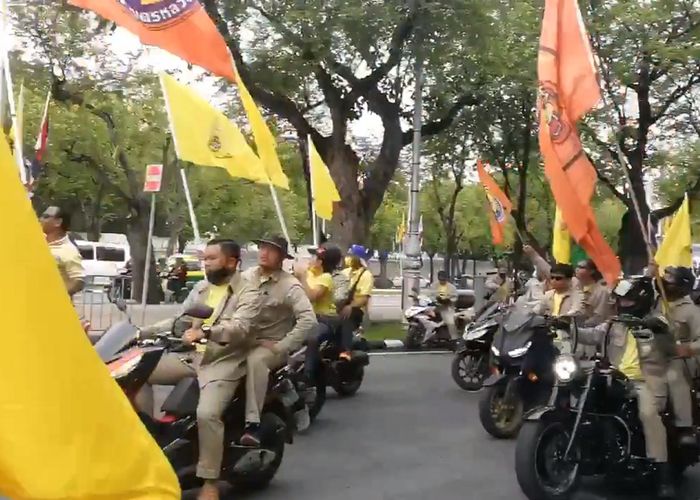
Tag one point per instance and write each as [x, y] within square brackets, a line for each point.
[276, 241]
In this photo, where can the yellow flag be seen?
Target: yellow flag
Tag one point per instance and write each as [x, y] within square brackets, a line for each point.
[322, 185]
[204, 135]
[265, 141]
[66, 429]
[676, 247]
[561, 240]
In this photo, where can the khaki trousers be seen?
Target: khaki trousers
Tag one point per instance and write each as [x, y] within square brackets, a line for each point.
[653, 426]
[448, 316]
[214, 398]
[679, 390]
[259, 362]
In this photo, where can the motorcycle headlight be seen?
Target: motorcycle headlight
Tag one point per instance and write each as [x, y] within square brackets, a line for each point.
[495, 350]
[520, 351]
[123, 367]
[565, 368]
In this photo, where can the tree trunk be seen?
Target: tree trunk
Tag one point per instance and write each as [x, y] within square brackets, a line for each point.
[137, 234]
[431, 263]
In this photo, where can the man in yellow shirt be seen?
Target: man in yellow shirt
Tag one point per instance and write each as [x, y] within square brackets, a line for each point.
[635, 298]
[445, 293]
[55, 223]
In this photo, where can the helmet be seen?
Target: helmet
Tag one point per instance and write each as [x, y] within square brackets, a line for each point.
[678, 281]
[634, 296]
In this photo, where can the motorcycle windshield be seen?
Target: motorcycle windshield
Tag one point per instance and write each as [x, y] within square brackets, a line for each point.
[115, 339]
[518, 319]
[516, 330]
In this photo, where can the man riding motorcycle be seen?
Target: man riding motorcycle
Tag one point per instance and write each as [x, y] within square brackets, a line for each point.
[643, 364]
[221, 366]
[285, 320]
[685, 324]
[445, 294]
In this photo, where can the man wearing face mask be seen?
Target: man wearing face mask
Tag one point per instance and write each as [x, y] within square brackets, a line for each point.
[220, 366]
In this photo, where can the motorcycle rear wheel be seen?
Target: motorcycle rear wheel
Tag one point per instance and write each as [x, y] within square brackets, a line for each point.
[540, 468]
[497, 419]
[469, 371]
[414, 337]
[347, 388]
[273, 438]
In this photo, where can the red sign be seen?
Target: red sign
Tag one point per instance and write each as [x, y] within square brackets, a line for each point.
[154, 178]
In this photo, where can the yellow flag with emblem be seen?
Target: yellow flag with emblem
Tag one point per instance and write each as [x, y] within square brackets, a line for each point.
[264, 140]
[561, 240]
[676, 247]
[66, 429]
[205, 136]
[322, 186]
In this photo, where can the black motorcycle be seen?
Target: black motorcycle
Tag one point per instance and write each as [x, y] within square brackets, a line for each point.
[132, 363]
[470, 366]
[523, 353]
[590, 426]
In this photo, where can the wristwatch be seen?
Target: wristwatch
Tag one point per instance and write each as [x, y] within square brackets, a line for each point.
[207, 331]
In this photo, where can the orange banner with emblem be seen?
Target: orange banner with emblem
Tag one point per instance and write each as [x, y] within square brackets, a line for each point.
[182, 27]
[499, 204]
[568, 88]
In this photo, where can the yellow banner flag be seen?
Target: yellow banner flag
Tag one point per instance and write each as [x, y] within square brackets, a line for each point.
[676, 247]
[322, 186]
[561, 240]
[264, 140]
[66, 429]
[205, 136]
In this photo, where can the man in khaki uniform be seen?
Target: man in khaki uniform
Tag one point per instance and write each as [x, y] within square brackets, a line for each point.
[286, 318]
[685, 323]
[642, 365]
[55, 223]
[220, 366]
[597, 307]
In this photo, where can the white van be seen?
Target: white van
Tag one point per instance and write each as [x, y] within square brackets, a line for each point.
[102, 261]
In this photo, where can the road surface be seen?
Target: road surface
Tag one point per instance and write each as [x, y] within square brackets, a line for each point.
[409, 434]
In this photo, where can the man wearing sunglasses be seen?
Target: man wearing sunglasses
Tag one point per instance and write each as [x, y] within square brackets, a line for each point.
[55, 222]
[562, 299]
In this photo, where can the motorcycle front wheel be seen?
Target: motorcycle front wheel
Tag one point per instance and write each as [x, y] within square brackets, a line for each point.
[349, 387]
[414, 337]
[500, 418]
[540, 467]
[469, 370]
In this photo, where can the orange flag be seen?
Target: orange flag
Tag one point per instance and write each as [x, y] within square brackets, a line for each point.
[498, 202]
[568, 88]
[182, 27]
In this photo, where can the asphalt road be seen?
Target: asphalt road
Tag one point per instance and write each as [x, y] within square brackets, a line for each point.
[409, 434]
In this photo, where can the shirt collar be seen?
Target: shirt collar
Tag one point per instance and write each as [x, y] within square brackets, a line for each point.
[59, 242]
[275, 276]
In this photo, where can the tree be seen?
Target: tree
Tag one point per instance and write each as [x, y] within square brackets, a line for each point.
[649, 56]
[315, 63]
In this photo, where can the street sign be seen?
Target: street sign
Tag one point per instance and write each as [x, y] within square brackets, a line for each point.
[154, 178]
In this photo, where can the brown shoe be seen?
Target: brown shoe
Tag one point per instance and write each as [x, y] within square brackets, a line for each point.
[209, 491]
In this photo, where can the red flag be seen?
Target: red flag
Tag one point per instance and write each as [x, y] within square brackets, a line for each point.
[568, 88]
[182, 27]
[500, 205]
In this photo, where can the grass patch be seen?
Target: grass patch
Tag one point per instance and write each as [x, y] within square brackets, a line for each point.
[385, 330]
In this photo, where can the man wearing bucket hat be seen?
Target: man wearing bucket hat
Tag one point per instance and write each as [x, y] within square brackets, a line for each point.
[286, 319]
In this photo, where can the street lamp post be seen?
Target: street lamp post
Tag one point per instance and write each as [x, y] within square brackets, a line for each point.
[412, 244]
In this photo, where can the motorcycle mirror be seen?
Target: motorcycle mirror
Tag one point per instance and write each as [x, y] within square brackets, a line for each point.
[199, 311]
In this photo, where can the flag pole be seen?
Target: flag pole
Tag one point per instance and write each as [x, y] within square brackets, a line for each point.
[314, 222]
[8, 90]
[278, 209]
[190, 207]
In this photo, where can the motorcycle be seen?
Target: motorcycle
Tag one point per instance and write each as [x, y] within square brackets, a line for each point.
[523, 353]
[590, 426]
[344, 376]
[426, 327]
[131, 362]
[470, 366]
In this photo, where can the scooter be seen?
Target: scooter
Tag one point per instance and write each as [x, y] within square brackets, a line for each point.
[470, 366]
[131, 362]
[426, 327]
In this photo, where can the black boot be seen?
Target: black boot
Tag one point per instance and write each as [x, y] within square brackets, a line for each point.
[665, 487]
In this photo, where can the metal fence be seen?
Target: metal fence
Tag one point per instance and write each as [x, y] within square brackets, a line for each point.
[95, 303]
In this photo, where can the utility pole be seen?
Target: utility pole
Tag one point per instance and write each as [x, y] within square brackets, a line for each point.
[412, 245]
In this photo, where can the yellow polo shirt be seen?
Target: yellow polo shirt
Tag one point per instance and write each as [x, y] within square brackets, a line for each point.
[324, 305]
[558, 301]
[215, 295]
[68, 259]
[629, 364]
[365, 285]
